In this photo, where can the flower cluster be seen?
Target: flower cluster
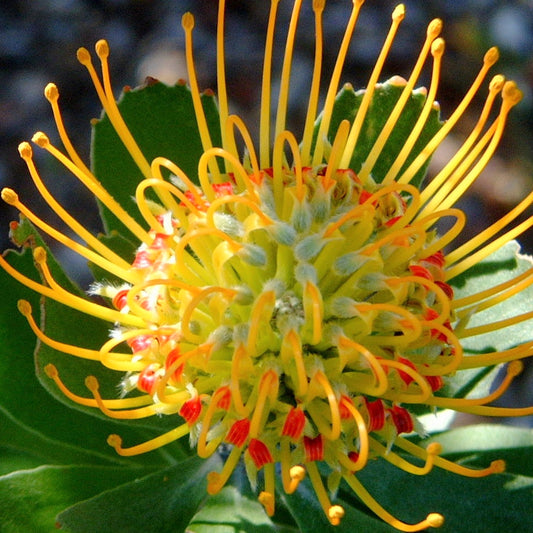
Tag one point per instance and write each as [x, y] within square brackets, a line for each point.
[285, 305]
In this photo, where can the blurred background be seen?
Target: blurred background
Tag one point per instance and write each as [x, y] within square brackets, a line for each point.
[39, 39]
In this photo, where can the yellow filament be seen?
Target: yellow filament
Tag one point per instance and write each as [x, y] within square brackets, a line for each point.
[116, 442]
[318, 8]
[123, 361]
[437, 50]
[52, 95]
[456, 358]
[218, 202]
[291, 350]
[159, 162]
[425, 389]
[267, 497]
[397, 16]
[496, 85]
[362, 459]
[358, 212]
[336, 150]
[511, 96]
[496, 325]
[432, 451]
[494, 358]
[92, 184]
[513, 369]
[333, 512]
[261, 313]
[288, 137]
[70, 300]
[216, 480]
[268, 389]
[433, 31]
[130, 414]
[205, 449]
[489, 232]
[137, 401]
[234, 121]
[26, 154]
[494, 468]
[460, 303]
[492, 246]
[381, 381]
[25, 309]
[290, 476]
[514, 286]
[334, 83]
[221, 72]
[313, 310]
[393, 235]
[449, 236]
[204, 349]
[432, 520]
[286, 70]
[240, 173]
[11, 197]
[111, 108]
[192, 306]
[411, 326]
[440, 295]
[145, 209]
[335, 430]
[264, 121]
[239, 354]
[187, 23]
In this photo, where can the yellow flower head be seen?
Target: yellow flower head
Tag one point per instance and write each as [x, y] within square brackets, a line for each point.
[289, 307]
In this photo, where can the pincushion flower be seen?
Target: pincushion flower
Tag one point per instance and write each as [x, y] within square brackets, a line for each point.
[292, 306]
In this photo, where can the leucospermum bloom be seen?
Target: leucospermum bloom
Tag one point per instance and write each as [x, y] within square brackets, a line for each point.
[283, 304]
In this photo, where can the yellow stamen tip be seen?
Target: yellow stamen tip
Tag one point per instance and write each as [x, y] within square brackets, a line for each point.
[213, 483]
[114, 441]
[319, 5]
[187, 21]
[41, 139]
[25, 150]
[102, 48]
[92, 383]
[496, 84]
[51, 92]
[39, 254]
[83, 55]
[491, 56]
[511, 93]
[335, 513]
[434, 448]
[24, 307]
[9, 196]
[51, 371]
[515, 368]
[437, 47]
[435, 520]
[498, 466]
[297, 473]
[434, 28]
[358, 2]
[399, 12]
[266, 499]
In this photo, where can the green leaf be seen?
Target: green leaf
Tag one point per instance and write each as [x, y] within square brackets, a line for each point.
[31, 499]
[231, 512]
[504, 264]
[383, 101]
[163, 502]
[163, 123]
